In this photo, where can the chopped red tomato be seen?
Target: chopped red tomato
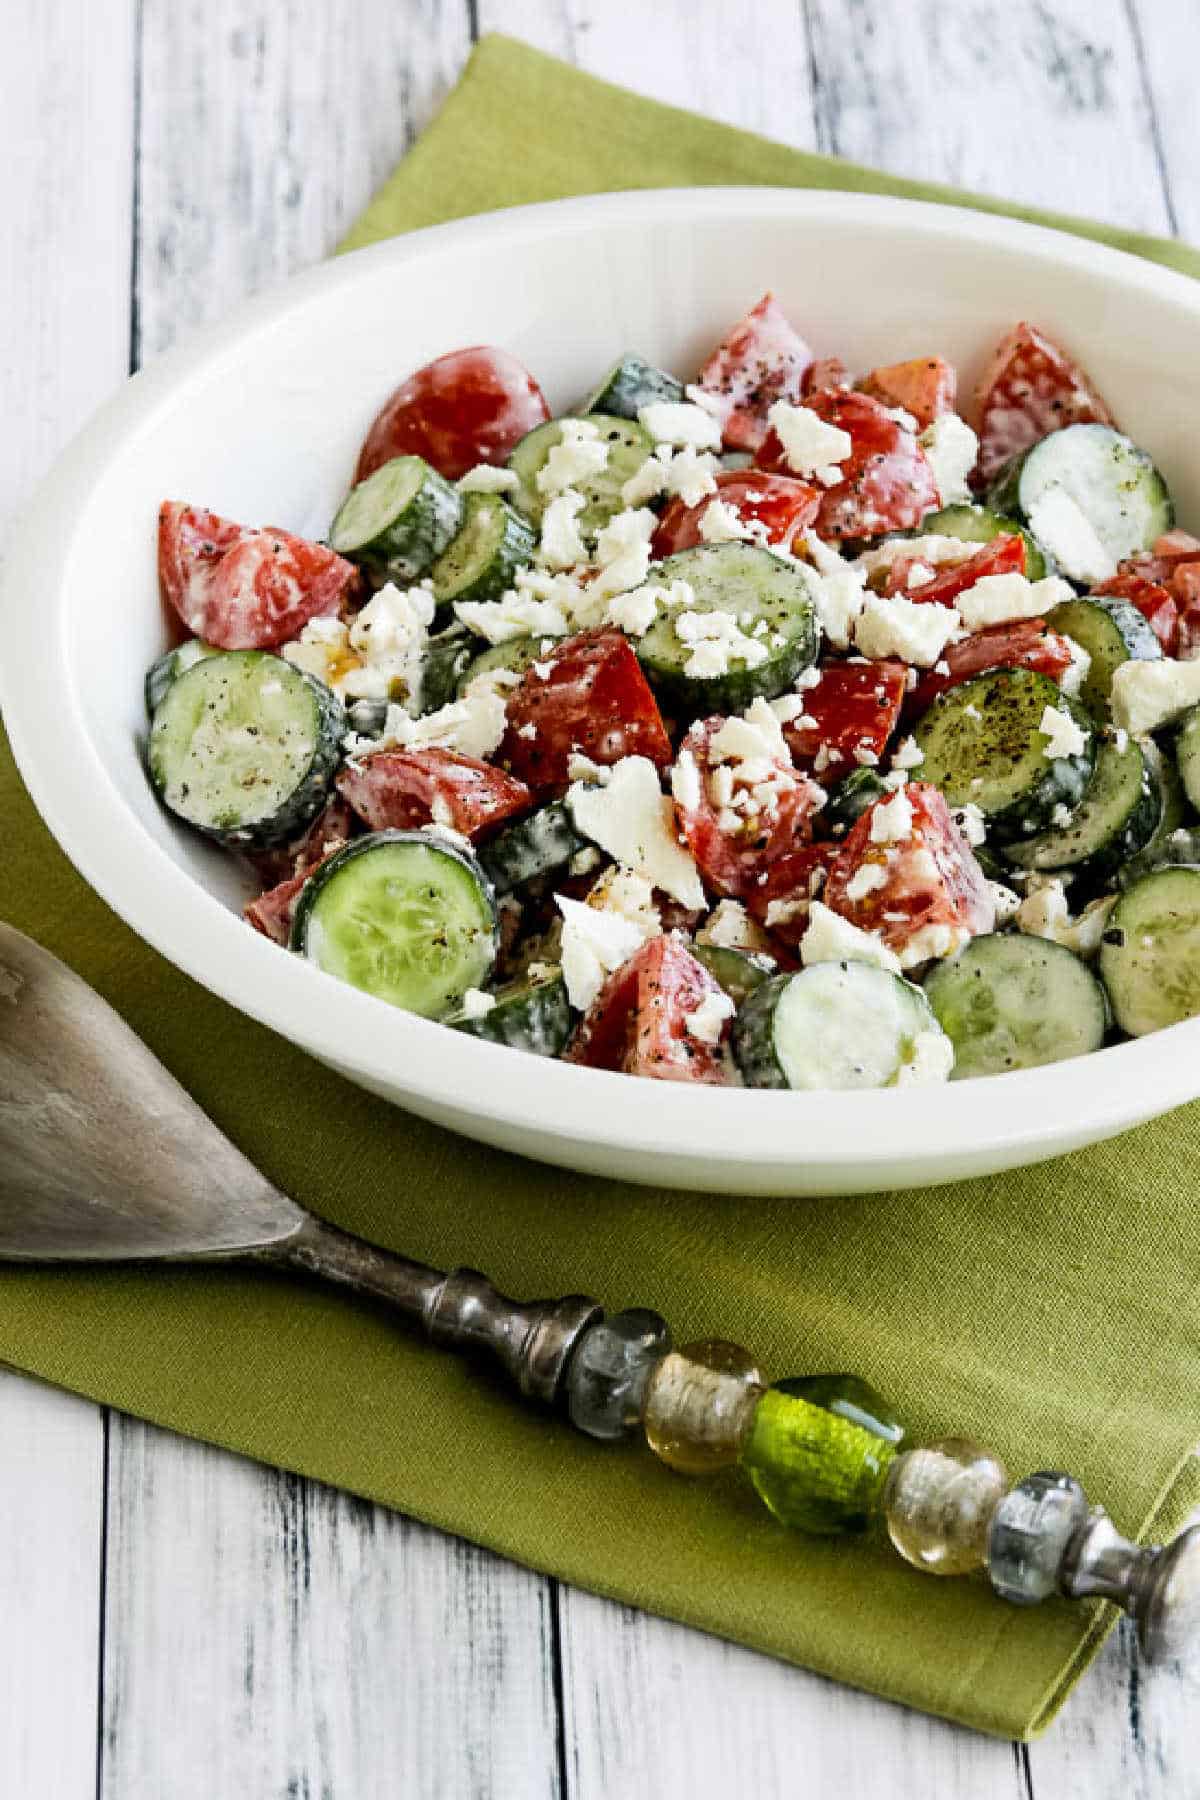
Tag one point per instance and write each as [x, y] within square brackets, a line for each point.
[397, 790]
[928, 894]
[271, 913]
[925, 387]
[241, 588]
[735, 830]
[848, 717]
[887, 481]
[1185, 588]
[781, 900]
[333, 826]
[1029, 388]
[779, 503]
[826, 372]
[469, 407]
[1023, 644]
[1004, 555]
[1153, 601]
[587, 695]
[760, 361]
[638, 1022]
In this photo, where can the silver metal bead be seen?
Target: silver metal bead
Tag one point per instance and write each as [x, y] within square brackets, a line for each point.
[1030, 1530]
[1158, 1585]
[609, 1369]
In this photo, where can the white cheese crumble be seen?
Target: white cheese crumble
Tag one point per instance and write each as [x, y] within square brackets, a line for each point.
[687, 475]
[1063, 736]
[838, 589]
[865, 880]
[485, 478]
[830, 938]
[579, 453]
[633, 821]
[970, 821]
[1005, 903]
[681, 424]
[388, 637]
[995, 599]
[810, 446]
[951, 449]
[1073, 677]
[476, 1004]
[595, 942]
[715, 639]
[561, 546]
[539, 603]
[933, 942]
[915, 631]
[623, 553]
[721, 523]
[685, 782]
[473, 724]
[707, 1021]
[1046, 913]
[1057, 518]
[730, 927]
[634, 612]
[1147, 694]
[931, 1058]
[935, 550]
[908, 754]
[892, 820]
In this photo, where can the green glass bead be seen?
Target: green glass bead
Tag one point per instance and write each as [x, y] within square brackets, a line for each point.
[699, 1404]
[938, 1504]
[818, 1452]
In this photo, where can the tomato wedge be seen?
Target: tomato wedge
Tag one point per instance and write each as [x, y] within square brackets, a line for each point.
[271, 913]
[638, 1021]
[887, 481]
[1022, 644]
[931, 893]
[1029, 388]
[760, 361]
[240, 588]
[848, 717]
[1153, 601]
[826, 372]
[734, 847]
[471, 406]
[779, 503]
[784, 894]
[587, 696]
[333, 826]
[397, 790]
[1004, 555]
[925, 387]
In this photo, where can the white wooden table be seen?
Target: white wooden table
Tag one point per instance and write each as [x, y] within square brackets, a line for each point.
[179, 1625]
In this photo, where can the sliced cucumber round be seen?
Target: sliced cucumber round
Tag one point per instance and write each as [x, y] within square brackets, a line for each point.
[629, 385]
[516, 654]
[528, 1015]
[834, 1025]
[398, 521]
[245, 747]
[1090, 496]
[1015, 1002]
[1187, 755]
[535, 846]
[1180, 850]
[493, 542]
[983, 743]
[170, 667]
[1113, 821]
[979, 525]
[404, 916]
[1112, 631]
[446, 657]
[1150, 953]
[628, 447]
[770, 602]
[736, 971]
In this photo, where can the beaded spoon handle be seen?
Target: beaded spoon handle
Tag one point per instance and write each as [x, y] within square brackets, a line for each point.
[104, 1158]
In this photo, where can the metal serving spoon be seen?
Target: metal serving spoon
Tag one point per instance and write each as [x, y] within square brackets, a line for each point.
[105, 1158]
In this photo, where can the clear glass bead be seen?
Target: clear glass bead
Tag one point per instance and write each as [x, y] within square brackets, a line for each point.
[613, 1361]
[938, 1504]
[1030, 1531]
[819, 1450]
[699, 1404]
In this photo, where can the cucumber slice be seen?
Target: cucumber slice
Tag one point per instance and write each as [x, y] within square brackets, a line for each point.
[1180, 850]
[1150, 953]
[1187, 755]
[493, 542]
[1112, 631]
[979, 525]
[1113, 821]
[834, 1025]
[404, 916]
[771, 603]
[367, 718]
[983, 743]
[446, 657]
[736, 971]
[628, 448]
[245, 747]
[515, 653]
[528, 1015]
[535, 846]
[170, 667]
[630, 384]
[1090, 496]
[1016, 1002]
[1171, 844]
[851, 797]
[398, 521]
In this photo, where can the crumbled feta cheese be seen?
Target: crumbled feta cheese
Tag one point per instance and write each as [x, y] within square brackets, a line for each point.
[1005, 903]
[473, 724]
[789, 710]
[623, 552]
[476, 1004]
[684, 474]
[810, 446]
[1057, 518]
[970, 821]
[579, 453]
[915, 631]
[685, 782]
[830, 938]
[1063, 736]
[539, 604]
[920, 575]
[1146, 695]
[908, 754]
[633, 821]
[528, 731]
[1060, 816]
[995, 599]
[933, 549]
[485, 478]
[838, 590]
[585, 860]
[707, 1021]
[582, 768]
[1072, 678]
[680, 423]
[561, 546]
[730, 927]
[634, 612]
[721, 523]
[930, 1059]
[951, 449]
[932, 942]
[865, 880]
[595, 942]
[323, 650]
[1046, 913]
[715, 640]
[389, 635]
[750, 736]
[892, 820]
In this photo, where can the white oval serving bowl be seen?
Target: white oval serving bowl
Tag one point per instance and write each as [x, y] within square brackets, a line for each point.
[261, 418]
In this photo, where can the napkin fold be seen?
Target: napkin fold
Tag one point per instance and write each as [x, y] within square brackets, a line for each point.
[1052, 1312]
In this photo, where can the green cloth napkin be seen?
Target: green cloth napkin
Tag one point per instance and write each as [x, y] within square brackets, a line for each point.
[1052, 1312]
